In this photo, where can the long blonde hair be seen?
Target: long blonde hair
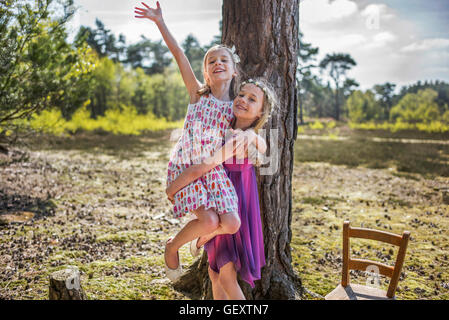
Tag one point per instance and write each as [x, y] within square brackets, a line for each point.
[206, 89]
[270, 101]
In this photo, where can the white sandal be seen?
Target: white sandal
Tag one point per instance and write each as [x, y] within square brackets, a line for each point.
[194, 250]
[173, 274]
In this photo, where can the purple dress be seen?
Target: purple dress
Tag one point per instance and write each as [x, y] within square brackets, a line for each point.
[244, 248]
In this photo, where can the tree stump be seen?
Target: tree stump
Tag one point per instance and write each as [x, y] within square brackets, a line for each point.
[66, 285]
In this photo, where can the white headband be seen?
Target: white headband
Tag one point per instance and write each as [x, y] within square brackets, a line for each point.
[257, 83]
[235, 55]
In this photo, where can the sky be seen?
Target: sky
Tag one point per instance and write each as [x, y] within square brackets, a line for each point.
[399, 41]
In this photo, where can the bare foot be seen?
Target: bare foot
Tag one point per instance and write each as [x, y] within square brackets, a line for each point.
[171, 255]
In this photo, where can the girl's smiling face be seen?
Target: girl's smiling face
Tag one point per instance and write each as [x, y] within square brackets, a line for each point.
[219, 66]
[248, 103]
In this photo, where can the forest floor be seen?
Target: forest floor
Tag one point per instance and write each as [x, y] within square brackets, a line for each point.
[97, 201]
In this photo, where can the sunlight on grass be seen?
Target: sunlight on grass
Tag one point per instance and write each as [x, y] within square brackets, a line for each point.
[125, 121]
[431, 127]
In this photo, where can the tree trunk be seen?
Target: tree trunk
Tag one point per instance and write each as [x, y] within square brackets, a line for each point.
[265, 34]
[337, 106]
[300, 104]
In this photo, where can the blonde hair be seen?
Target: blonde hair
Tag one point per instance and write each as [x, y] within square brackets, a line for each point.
[270, 101]
[269, 108]
[206, 89]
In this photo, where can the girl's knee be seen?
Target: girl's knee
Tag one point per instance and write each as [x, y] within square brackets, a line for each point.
[227, 276]
[213, 275]
[210, 221]
[232, 223]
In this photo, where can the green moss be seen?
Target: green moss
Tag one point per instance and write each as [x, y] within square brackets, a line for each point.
[124, 236]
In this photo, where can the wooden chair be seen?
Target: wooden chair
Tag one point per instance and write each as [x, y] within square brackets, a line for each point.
[346, 291]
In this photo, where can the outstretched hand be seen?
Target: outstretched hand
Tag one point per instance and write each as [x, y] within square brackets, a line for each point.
[149, 13]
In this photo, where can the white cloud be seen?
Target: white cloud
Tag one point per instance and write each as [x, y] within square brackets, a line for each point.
[351, 40]
[386, 45]
[381, 39]
[380, 9]
[427, 45]
[318, 11]
[384, 37]
[200, 17]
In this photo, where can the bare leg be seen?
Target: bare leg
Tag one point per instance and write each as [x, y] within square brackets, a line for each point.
[206, 223]
[217, 290]
[228, 281]
[229, 224]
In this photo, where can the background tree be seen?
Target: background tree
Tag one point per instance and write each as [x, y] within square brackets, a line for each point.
[363, 107]
[385, 94]
[151, 56]
[103, 41]
[349, 86]
[441, 87]
[337, 64]
[269, 49]
[195, 53]
[136, 54]
[417, 107]
[102, 83]
[38, 67]
[142, 96]
[306, 55]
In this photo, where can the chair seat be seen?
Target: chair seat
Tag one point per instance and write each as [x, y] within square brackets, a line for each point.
[357, 292]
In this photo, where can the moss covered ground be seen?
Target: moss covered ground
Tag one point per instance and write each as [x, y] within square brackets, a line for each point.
[98, 202]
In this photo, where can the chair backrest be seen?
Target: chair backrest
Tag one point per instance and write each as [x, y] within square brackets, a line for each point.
[361, 264]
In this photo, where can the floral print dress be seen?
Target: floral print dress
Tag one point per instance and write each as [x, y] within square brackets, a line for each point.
[204, 130]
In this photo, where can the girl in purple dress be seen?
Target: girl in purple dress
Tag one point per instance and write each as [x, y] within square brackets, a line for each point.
[242, 252]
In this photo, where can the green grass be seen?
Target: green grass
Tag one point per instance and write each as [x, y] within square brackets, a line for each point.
[124, 121]
[432, 127]
[426, 159]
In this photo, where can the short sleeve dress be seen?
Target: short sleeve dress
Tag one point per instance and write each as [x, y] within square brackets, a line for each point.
[204, 130]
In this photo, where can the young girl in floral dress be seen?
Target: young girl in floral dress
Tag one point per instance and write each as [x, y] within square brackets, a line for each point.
[212, 198]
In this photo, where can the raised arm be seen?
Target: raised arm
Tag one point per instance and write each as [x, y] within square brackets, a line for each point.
[191, 82]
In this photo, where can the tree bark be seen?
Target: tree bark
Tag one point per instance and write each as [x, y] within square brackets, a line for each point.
[301, 107]
[265, 34]
[337, 105]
